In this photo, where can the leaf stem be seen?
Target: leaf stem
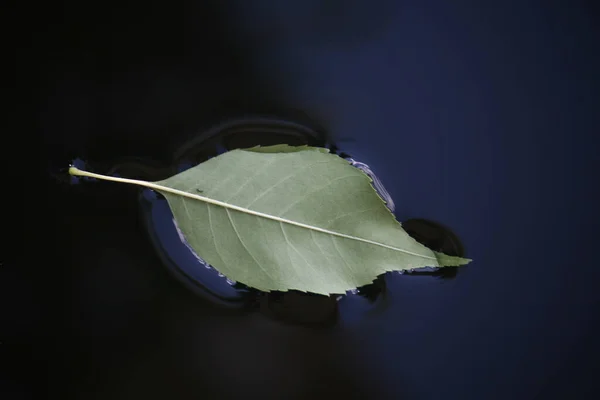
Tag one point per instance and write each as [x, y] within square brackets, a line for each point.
[77, 172]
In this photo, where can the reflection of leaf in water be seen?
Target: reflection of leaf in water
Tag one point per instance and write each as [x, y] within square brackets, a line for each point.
[283, 217]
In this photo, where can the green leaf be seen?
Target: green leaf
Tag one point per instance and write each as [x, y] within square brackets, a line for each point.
[283, 217]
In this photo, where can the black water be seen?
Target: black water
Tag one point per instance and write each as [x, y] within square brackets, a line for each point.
[477, 118]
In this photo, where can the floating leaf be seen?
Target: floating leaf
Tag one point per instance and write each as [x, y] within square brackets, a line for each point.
[283, 217]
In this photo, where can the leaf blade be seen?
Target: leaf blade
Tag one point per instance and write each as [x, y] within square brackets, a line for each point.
[260, 196]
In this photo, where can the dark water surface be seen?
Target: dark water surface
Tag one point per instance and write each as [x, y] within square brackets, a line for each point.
[481, 118]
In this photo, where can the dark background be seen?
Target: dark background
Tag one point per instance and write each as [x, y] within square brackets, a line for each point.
[480, 115]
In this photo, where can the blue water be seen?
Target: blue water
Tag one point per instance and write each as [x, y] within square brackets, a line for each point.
[480, 116]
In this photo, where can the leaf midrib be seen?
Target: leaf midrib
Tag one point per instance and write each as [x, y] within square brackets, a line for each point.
[161, 188]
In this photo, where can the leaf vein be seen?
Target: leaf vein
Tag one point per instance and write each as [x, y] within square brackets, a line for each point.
[166, 189]
[340, 253]
[306, 195]
[249, 179]
[244, 244]
[312, 235]
[293, 174]
[348, 214]
[296, 250]
[212, 233]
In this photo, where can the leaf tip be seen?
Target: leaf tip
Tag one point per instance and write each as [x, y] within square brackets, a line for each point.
[445, 260]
